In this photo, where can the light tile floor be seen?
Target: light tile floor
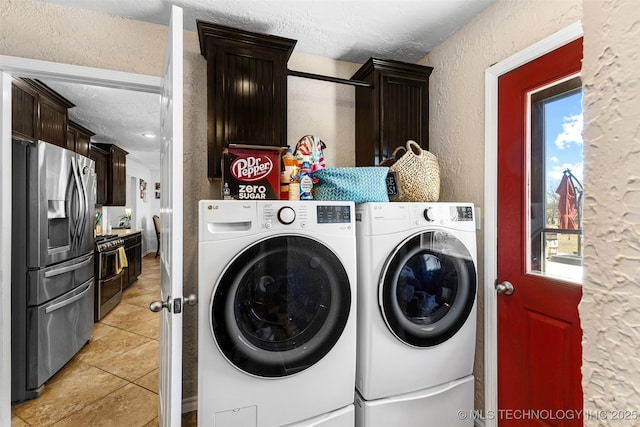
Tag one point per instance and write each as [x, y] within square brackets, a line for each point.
[113, 380]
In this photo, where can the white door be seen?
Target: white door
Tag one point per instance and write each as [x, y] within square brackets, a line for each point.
[5, 250]
[170, 393]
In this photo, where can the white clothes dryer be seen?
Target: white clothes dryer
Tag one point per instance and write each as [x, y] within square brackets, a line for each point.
[417, 285]
[277, 313]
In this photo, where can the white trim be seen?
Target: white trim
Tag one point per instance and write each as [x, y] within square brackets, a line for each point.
[5, 250]
[562, 37]
[79, 74]
[9, 66]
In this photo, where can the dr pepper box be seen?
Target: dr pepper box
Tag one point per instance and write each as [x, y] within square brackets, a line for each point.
[251, 172]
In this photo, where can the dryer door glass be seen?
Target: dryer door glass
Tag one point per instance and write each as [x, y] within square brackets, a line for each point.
[428, 288]
[280, 306]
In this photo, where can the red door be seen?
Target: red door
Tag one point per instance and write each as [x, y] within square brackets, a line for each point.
[539, 335]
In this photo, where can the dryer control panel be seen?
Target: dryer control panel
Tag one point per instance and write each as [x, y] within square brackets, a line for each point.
[456, 215]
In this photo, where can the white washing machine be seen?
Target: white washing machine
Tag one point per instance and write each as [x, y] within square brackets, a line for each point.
[417, 284]
[277, 313]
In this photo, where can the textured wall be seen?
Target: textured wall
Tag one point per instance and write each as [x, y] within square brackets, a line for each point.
[322, 108]
[53, 33]
[610, 309]
[457, 104]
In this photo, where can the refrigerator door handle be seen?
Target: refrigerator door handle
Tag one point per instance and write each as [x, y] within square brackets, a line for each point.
[85, 203]
[82, 209]
[61, 304]
[67, 269]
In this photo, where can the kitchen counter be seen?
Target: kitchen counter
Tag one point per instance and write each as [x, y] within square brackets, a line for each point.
[124, 232]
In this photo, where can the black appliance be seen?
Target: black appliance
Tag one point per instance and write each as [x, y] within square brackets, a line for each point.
[108, 274]
[52, 289]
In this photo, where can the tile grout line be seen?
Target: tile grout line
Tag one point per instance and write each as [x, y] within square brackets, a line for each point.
[126, 381]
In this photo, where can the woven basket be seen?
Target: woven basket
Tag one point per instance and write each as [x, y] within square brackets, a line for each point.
[417, 173]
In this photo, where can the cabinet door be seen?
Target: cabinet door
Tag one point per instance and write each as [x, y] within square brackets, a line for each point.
[404, 114]
[53, 123]
[72, 135]
[39, 112]
[133, 249]
[137, 256]
[24, 111]
[83, 141]
[118, 170]
[78, 138]
[253, 101]
[246, 89]
[101, 160]
[128, 276]
[247, 101]
[115, 173]
[394, 111]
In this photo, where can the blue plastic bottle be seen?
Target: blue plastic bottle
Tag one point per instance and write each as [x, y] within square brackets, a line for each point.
[306, 180]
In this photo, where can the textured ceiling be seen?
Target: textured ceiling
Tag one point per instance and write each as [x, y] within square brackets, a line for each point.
[350, 30]
[116, 116]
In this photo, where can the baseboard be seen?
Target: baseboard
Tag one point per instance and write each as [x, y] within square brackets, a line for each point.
[190, 404]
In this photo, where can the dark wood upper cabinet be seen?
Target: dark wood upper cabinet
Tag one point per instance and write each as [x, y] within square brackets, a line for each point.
[246, 89]
[101, 159]
[395, 110]
[24, 115]
[116, 177]
[78, 138]
[39, 113]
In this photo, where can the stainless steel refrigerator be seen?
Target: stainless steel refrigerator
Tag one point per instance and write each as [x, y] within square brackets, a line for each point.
[52, 247]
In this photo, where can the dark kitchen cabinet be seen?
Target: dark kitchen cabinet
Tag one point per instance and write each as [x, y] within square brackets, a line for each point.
[24, 115]
[101, 159]
[38, 112]
[78, 138]
[116, 174]
[246, 89]
[395, 110]
[133, 249]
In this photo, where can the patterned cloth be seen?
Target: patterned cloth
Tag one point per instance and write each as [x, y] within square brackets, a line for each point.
[357, 184]
[312, 146]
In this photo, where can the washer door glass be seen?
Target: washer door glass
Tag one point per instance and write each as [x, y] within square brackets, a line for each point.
[428, 288]
[280, 306]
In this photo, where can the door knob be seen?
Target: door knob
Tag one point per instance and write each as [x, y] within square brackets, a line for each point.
[504, 288]
[192, 299]
[157, 306]
[176, 306]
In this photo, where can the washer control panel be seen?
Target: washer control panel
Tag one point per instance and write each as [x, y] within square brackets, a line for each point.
[331, 214]
[325, 215]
